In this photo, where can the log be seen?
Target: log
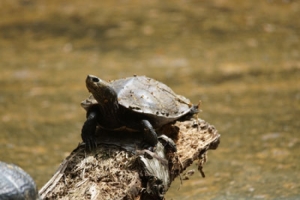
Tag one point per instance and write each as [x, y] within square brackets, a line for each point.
[121, 169]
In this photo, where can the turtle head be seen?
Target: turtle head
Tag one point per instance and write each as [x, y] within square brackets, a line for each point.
[101, 90]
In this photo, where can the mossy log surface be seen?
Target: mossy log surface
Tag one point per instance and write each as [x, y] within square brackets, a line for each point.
[120, 169]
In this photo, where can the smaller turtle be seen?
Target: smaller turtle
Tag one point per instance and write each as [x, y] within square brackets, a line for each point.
[138, 103]
[16, 184]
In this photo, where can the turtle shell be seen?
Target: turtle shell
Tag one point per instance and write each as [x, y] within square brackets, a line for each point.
[146, 95]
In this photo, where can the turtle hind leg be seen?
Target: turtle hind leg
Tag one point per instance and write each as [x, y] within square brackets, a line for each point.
[150, 137]
[89, 129]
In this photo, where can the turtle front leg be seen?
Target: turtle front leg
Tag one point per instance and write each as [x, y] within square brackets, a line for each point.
[88, 130]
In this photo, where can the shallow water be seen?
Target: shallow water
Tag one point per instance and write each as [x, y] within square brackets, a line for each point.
[241, 59]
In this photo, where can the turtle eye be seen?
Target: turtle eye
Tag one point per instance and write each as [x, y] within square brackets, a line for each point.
[95, 80]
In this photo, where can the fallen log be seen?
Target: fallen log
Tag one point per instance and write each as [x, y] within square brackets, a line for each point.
[120, 169]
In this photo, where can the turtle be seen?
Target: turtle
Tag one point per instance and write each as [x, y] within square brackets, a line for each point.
[138, 103]
[16, 184]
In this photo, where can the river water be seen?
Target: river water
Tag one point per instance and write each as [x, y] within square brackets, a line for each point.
[240, 58]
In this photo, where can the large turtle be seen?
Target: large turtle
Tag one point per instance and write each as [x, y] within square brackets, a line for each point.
[138, 103]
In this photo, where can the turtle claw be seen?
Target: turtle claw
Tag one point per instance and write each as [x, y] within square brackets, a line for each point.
[167, 143]
[90, 144]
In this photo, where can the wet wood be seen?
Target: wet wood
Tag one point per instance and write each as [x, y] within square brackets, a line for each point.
[120, 169]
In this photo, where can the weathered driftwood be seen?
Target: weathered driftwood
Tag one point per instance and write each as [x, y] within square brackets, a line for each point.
[120, 169]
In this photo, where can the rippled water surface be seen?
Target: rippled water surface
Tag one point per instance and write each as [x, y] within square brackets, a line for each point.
[240, 58]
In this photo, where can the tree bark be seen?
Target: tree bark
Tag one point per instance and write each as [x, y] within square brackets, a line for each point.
[120, 169]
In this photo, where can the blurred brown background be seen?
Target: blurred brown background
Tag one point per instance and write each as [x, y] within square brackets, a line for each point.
[240, 58]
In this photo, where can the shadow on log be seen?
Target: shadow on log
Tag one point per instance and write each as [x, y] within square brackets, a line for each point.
[120, 169]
